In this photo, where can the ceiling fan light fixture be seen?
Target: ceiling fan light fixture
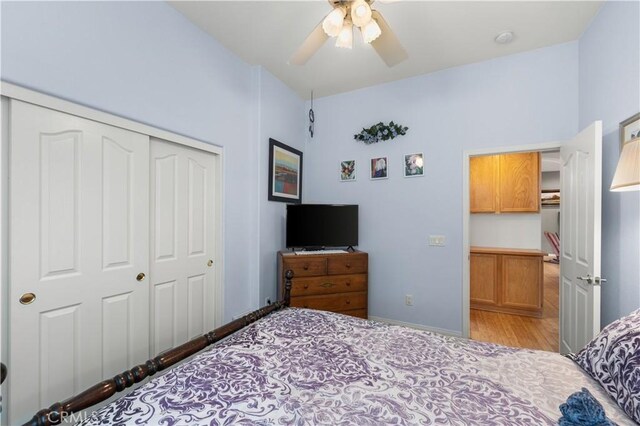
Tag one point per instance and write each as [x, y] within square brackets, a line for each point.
[360, 13]
[371, 31]
[345, 38]
[332, 24]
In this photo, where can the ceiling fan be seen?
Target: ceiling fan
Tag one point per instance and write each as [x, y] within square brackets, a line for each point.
[339, 23]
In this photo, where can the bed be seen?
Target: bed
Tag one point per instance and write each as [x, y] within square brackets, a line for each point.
[304, 367]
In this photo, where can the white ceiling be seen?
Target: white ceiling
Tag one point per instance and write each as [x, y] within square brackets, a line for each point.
[436, 34]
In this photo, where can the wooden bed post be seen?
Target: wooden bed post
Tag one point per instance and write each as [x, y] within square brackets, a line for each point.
[104, 390]
[287, 287]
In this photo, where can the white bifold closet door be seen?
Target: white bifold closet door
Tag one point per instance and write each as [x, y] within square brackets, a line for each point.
[182, 244]
[79, 237]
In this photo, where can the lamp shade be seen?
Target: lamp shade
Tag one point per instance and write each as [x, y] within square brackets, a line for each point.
[627, 176]
[345, 38]
[360, 13]
[332, 24]
[371, 31]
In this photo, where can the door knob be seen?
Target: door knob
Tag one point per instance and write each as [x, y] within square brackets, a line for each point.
[593, 280]
[27, 298]
[140, 276]
[588, 279]
[210, 263]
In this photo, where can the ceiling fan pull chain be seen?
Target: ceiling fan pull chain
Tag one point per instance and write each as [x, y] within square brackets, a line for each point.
[312, 117]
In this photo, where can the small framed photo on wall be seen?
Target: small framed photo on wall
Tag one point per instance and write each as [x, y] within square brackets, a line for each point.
[285, 173]
[379, 168]
[348, 171]
[414, 165]
[629, 129]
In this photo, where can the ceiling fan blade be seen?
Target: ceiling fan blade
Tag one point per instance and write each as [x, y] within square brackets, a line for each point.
[310, 46]
[387, 44]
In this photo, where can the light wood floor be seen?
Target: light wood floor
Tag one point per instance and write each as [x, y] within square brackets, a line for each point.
[520, 331]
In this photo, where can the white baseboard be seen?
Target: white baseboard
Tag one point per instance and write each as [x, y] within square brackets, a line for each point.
[418, 326]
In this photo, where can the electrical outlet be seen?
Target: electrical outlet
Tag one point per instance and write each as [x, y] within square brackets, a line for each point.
[267, 301]
[408, 300]
[437, 240]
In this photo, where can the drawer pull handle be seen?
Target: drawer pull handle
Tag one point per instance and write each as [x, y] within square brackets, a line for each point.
[348, 265]
[326, 285]
[348, 302]
[348, 283]
[305, 306]
[306, 286]
[306, 267]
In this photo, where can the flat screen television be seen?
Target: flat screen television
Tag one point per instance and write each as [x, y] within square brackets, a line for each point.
[322, 225]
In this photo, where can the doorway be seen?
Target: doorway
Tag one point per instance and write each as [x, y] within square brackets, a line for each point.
[580, 252]
[515, 302]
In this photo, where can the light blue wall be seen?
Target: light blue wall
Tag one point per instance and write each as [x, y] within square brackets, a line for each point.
[610, 91]
[520, 99]
[147, 62]
[282, 117]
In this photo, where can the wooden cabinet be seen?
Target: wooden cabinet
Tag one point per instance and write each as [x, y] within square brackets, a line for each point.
[507, 280]
[483, 188]
[506, 183]
[329, 282]
[484, 278]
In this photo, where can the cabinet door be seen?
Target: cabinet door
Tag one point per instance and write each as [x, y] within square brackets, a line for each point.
[483, 180]
[519, 182]
[484, 279]
[522, 282]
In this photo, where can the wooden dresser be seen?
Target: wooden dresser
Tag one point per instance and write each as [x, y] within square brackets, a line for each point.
[329, 282]
[507, 280]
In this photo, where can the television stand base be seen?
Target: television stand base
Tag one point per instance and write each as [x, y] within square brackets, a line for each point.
[316, 252]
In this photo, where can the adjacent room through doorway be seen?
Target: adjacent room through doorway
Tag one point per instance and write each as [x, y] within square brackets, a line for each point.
[514, 235]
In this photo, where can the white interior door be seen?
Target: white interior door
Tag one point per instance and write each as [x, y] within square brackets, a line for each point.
[182, 244]
[581, 189]
[79, 235]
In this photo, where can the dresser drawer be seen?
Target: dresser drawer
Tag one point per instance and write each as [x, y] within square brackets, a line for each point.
[328, 284]
[351, 264]
[332, 302]
[305, 267]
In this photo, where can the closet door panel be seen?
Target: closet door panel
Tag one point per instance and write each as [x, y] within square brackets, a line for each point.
[197, 301]
[165, 207]
[182, 243]
[118, 189]
[59, 196]
[79, 225]
[117, 334]
[60, 363]
[197, 225]
[164, 302]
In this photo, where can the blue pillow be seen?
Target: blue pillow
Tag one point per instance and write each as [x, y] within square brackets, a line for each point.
[613, 360]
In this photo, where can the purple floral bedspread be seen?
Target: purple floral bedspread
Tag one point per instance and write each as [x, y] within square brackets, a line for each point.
[305, 367]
